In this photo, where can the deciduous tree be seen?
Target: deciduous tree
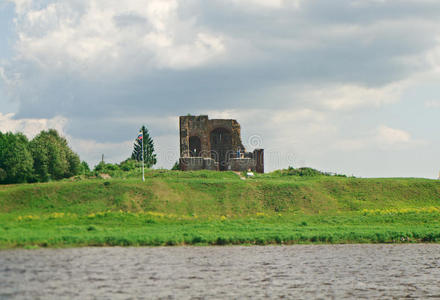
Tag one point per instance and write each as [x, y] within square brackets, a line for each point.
[53, 159]
[16, 163]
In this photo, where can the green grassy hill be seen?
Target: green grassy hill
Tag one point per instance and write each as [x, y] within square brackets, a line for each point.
[173, 207]
[210, 193]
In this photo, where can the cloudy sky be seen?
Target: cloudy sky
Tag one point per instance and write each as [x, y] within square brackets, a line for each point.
[350, 86]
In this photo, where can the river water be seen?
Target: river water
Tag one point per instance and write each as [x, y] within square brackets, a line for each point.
[299, 271]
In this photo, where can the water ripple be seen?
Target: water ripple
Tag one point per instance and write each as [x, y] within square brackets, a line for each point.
[299, 271]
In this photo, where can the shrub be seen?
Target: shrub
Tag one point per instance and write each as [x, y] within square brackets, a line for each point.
[304, 172]
[84, 168]
[103, 167]
[176, 166]
[128, 165]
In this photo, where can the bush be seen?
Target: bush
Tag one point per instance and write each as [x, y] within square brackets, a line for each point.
[84, 168]
[112, 167]
[176, 166]
[306, 172]
[128, 165]
[103, 167]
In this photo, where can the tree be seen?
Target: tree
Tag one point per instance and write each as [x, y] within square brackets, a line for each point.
[3, 175]
[53, 159]
[149, 155]
[74, 162]
[84, 168]
[16, 163]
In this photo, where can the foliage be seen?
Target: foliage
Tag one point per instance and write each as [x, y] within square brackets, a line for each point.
[127, 168]
[129, 165]
[16, 163]
[104, 167]
[75, 167]
[3, 175]
[302, 172]
[53, 159]
[176, 166]
[84, 168]
[148, 145]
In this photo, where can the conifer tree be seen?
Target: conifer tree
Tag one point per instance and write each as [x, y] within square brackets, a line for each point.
[149, 155]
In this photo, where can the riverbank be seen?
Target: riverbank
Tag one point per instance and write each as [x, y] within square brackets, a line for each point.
[211, 208]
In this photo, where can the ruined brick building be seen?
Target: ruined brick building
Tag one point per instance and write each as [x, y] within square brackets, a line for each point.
[215, 145]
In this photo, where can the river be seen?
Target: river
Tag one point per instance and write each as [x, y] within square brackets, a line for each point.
[257, 272]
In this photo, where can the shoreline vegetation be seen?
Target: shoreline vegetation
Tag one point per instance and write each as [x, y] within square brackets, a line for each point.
[218, 208]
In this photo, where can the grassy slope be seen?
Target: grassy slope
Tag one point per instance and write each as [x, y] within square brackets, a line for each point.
[218, 208]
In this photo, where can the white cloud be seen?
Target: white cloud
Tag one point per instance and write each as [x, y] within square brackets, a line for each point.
[432, 104]
[391, 136]
[84, 36]
[21, 5]
[89, 150]
[204, 48]
[92, 151]
[10, 80]
[167, 150]
[297, 78]
[272, 4]
[382, 138]
[31, 127]
[3, 75]
[433, 56]
[335, 97]
[265, 3]
[348, 97]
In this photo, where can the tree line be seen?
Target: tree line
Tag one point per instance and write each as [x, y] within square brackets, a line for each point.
[48, 157]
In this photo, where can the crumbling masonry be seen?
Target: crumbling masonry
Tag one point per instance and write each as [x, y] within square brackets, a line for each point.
[215, 145]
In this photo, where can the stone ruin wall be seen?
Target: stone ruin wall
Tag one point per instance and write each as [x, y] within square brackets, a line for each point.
[207, 156]
[202, 127]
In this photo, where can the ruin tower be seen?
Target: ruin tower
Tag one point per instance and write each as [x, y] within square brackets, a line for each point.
[215, 145]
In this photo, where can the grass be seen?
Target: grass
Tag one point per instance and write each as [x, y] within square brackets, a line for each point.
[218, 208]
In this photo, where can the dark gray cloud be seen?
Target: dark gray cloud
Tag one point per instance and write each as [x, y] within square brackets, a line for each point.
[293, 47]
[271, 57]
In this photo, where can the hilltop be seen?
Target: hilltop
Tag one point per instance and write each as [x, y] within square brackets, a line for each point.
[173, 207]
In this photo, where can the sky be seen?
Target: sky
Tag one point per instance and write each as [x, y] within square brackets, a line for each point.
[346, 86]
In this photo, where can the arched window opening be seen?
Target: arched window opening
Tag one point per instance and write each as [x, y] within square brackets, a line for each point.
[221, 146]
[195, 146]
